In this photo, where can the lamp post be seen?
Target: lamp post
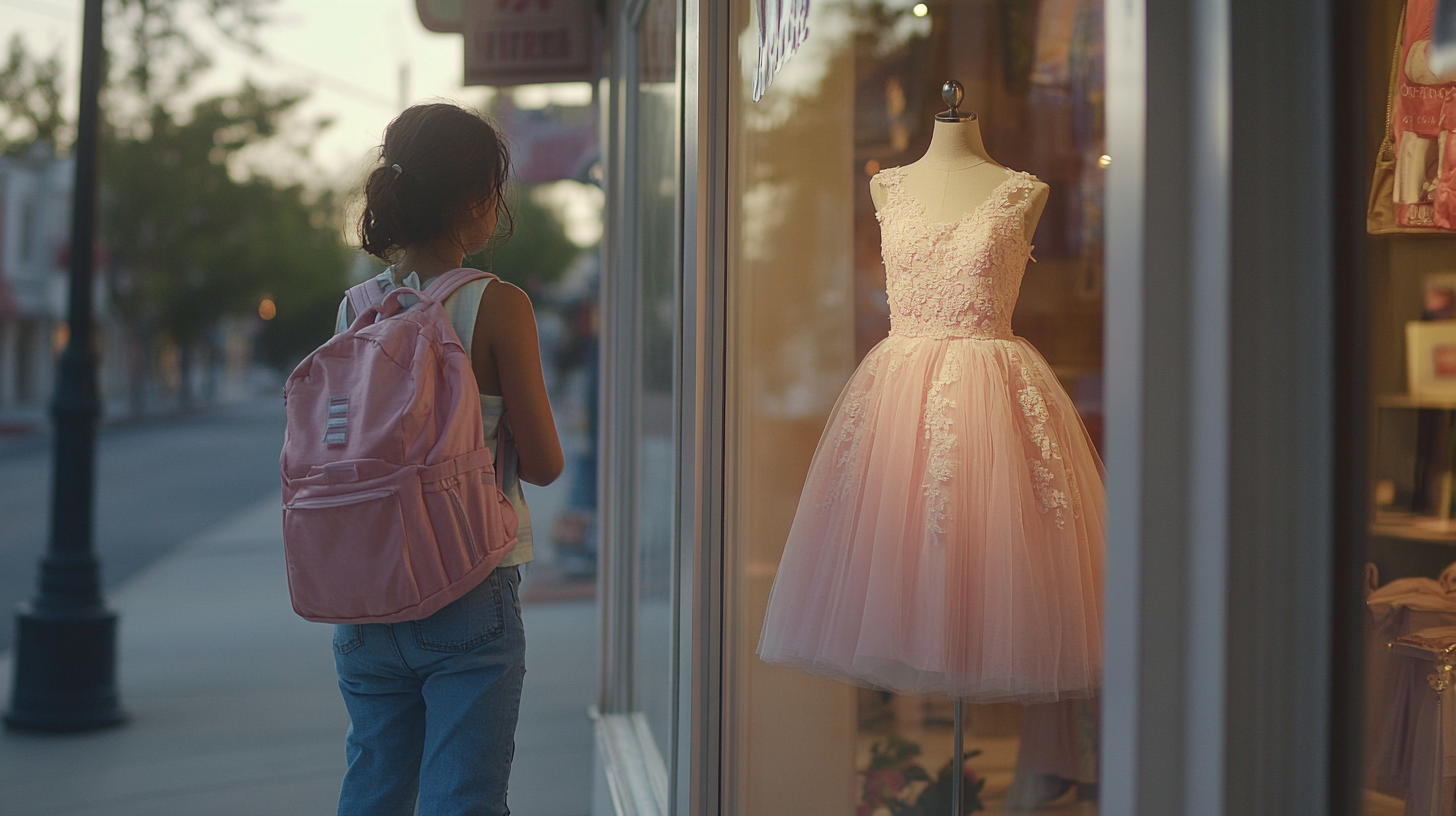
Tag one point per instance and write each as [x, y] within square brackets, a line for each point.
[65, 653]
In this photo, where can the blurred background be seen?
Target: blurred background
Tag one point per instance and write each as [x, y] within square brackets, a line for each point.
[235, 136]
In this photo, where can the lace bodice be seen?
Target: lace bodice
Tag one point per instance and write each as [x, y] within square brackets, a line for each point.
[959, 278]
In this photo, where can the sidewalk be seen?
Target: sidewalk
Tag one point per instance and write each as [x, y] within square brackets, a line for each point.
[234, 706]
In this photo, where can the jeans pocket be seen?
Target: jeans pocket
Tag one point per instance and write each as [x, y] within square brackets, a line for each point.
[478, 617]
[348, 637]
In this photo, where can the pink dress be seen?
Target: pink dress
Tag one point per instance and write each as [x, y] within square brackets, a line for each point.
[949, 537]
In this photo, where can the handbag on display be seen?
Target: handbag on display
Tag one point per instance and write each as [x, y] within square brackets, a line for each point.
[1413, 189]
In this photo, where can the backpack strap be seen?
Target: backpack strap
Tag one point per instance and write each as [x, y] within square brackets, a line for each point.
[445, 285]
[365, 296]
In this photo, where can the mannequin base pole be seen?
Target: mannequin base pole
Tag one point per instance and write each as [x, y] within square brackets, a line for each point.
[957, 764]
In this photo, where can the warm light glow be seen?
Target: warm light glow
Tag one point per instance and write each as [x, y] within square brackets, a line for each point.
[1104, 160]
[267, 309]
[872, 167]
[920, 9]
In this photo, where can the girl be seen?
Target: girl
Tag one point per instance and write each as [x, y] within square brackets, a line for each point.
[433, 703]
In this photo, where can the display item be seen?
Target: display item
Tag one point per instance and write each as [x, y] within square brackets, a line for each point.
[1414, 186]
[949, 537]
[1380, 217]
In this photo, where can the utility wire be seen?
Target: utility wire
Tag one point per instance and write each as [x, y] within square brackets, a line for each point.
[42, 7]
[336, 84]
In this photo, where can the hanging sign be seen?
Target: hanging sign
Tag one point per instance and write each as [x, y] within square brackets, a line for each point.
[783, 25]
[441, 16]
[519, 42]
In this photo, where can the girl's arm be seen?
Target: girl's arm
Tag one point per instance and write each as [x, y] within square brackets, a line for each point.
[510, 365]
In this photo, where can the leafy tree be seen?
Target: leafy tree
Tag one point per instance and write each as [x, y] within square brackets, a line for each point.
[537, 253]
[30, 96]
[193, 244]
[193, 235]
[153, 56]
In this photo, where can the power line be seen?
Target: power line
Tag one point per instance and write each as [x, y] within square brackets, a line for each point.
[42, 7]
[334, 83]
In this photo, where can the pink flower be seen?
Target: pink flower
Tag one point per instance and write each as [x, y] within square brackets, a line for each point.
[862, 810]
[883, 785]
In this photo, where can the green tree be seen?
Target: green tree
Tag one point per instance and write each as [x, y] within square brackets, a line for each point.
[30, 97]
[193, 236]
[191, 243]
[537, 252]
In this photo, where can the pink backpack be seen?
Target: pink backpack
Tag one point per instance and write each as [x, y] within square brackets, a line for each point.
[391, 504]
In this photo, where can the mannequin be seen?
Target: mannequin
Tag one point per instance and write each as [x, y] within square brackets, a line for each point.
[955, 175]
[952, 179]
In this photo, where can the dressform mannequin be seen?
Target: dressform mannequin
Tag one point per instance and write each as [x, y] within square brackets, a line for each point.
[955, 175]
[952, 179]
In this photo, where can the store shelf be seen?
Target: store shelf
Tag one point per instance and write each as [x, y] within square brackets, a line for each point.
[1414, 528]
[1407, 401]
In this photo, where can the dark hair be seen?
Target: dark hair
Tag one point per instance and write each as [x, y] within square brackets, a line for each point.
[438, 161]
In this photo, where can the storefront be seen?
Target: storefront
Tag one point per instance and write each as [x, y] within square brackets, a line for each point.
[1203, 289]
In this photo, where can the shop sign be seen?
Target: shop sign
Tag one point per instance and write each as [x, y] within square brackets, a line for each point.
[518, 42]
[441, 16]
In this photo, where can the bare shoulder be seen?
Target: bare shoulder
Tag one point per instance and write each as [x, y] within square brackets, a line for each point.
[506, 301]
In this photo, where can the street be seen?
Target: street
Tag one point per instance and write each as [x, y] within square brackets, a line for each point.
[158, 482]
[233, 704]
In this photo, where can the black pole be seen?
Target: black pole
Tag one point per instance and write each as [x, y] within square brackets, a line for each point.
[65, 654]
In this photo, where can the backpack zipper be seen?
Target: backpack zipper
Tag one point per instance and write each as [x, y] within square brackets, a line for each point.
[338, 501]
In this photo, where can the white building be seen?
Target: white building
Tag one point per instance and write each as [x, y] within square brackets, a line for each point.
[35, 197]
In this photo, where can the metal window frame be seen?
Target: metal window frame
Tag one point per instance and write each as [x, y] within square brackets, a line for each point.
[635, 775]
[1221, 407]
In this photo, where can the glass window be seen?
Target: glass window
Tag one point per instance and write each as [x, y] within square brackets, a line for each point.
[807, 302]
[657, 193]
[1408, 556]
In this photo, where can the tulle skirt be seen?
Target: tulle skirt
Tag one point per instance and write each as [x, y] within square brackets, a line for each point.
[949, 537]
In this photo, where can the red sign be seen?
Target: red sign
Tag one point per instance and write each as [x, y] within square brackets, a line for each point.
[1445, 362]
[519, 42]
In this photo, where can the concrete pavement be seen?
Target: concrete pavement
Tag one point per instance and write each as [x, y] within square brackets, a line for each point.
[159, 482]
[234, 707]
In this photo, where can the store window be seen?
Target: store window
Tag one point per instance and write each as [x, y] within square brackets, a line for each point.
[1409, 607]
[806, 303]
[657, 196]
[641, 399]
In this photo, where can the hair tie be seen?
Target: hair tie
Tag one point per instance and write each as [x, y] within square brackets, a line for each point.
[398, 171]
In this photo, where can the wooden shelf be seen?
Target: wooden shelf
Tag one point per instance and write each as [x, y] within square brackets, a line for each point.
[1414, 528]
[1407, 401]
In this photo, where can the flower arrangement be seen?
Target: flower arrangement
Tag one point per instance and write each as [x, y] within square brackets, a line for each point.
[897, 785]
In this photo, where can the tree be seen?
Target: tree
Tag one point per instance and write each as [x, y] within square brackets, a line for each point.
[30, 96]
[537, 252]
[191, 243]
[194, 236]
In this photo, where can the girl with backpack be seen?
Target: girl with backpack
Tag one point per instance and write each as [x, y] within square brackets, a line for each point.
[433, 701]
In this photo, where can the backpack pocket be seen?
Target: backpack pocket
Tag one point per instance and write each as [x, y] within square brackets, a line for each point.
[348, 555]
[456, 538]
[474, 520]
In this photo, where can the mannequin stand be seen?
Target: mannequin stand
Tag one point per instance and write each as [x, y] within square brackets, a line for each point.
[957, 769]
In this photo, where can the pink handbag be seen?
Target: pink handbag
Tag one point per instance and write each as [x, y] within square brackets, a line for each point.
[391, 503]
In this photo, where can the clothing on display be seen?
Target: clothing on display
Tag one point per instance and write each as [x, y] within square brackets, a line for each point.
[949, 537]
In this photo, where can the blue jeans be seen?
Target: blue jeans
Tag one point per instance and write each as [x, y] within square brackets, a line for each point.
[433, 705]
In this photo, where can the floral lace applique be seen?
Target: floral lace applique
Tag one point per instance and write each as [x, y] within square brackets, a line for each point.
[959, 278]
[851, 425]
[1034, 409]
[941, 436]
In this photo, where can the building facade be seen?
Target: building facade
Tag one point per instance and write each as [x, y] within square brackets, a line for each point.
[1204, 288]
[35, 197]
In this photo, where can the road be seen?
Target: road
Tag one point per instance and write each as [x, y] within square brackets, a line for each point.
[159, 482]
